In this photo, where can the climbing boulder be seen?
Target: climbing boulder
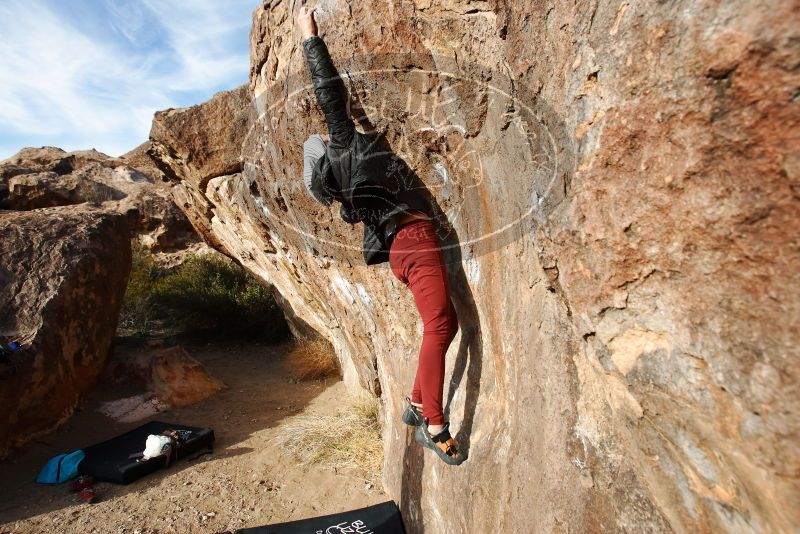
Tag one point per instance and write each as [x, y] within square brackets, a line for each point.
[616, 190]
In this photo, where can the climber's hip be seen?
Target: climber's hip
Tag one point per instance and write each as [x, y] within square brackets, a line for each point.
[416, 259]
[415, 246]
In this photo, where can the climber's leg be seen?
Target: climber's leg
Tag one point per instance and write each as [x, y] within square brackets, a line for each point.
[416, 259]
[416, 392]
[430, 295]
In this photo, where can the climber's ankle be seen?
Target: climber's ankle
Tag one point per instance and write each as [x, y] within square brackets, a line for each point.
[434, 429]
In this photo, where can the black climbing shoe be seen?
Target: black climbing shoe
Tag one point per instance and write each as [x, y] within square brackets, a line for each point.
[412, 416]
[442, 444]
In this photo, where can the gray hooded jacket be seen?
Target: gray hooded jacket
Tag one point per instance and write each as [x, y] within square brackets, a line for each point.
[313, 149]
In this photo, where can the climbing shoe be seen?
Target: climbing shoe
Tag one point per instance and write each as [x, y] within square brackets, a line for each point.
[412, 416]
[442, 444]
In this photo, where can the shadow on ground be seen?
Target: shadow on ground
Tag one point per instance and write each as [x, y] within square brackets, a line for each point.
[259, 395]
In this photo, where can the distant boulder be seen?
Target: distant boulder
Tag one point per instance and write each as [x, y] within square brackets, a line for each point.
[36, 178]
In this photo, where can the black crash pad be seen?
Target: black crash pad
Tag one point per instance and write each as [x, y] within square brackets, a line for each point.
[111, 461]
[381, 518]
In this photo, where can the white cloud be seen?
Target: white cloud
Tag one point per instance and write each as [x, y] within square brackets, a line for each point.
[66, 86]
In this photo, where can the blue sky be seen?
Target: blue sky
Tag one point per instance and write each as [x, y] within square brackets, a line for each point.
[82, 74]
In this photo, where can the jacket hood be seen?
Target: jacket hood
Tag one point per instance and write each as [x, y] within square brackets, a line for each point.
[313, 150]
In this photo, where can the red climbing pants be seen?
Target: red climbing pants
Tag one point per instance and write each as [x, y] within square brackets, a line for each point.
[415, 257]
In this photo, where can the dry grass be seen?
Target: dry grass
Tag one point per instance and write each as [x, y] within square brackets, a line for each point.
[311, 359]
[349, 439]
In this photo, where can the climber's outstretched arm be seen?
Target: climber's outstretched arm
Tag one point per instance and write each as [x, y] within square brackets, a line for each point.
[328, 87]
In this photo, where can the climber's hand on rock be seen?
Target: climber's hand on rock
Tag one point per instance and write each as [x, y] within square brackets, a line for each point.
[306, 22]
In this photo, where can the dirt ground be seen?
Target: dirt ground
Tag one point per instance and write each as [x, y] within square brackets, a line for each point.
[245, 482]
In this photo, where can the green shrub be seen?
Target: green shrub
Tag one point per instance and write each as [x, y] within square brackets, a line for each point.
[211, 293]
[207, 296]
[137, 314]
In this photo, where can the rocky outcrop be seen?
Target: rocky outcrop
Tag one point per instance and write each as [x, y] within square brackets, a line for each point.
[191, 146]
[139, 159]
[46, 177]
[171, 377]
[178, 379]
[63, 273]
[617, 187]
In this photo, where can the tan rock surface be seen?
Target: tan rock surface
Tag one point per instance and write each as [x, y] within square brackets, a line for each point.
[46, 177]
[63, 272]
[139, 159]
[66, 255]
[171, 373]
[179, 379]
[620, 184]
[191, 146]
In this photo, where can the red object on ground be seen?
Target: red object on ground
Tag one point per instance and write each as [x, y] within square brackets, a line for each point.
[87, 495]
[82, 483]
[415, 257]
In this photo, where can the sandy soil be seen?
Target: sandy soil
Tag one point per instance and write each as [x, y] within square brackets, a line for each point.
[245, 482]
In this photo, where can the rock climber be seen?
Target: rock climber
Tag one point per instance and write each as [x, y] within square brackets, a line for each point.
[398, 228]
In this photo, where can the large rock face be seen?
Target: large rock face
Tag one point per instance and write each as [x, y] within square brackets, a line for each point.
[617, 188]
[63, 273]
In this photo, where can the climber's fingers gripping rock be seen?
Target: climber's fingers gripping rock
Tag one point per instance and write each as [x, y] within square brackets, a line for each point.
[306, 22]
